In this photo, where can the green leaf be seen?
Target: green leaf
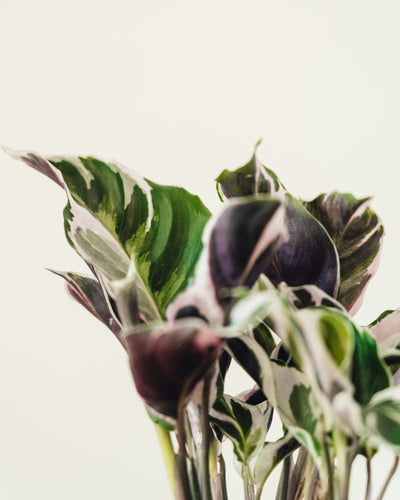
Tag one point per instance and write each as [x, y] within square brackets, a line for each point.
[252, 178]
[287, 389]
[244, 424]
[114, 216]
[357, 233]
[370, 374]
[272, 455]
[302, 410]
[382, 416]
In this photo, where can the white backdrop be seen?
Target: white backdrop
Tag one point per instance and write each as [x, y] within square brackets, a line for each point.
[178, 90]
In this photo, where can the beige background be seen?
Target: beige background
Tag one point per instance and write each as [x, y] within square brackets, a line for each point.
[178, 90]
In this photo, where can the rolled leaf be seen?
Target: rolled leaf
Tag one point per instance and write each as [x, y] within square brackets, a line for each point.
[168, 361]
[309, 256]
[243, 241]
[357, 233]
[113, 215]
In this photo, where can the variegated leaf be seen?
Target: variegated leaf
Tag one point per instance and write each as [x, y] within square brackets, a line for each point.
[244, 239]
[357, 233]
[308, 296]
[369, 373]
[89, 293]
[251, 179]
[309, 256]
[385, 326]
[287, 389]
[239, 244]
[382, 416]
[244, 424]
[272, 455]
[113, 215]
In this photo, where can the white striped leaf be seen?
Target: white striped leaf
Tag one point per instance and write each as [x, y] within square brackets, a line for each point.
[357, 233]
[270, 456]
[114, 216]
[309, 255]
[89, 293]
[386, 326]
[244, 424]
[382, 416]
[287, 389]
[239, 244]
[251, 179]
[369, 373]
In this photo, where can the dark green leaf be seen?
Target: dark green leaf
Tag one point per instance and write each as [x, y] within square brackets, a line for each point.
[115, 216]
[369, 372]
[244, 424]
[252, 178]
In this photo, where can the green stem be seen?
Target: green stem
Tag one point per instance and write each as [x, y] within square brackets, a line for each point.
[329, 469]
[249, 490]
[167, 450]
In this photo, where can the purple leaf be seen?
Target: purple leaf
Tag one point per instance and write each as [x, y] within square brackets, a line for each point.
[244, 240]
[38, 163]
[357, 233]
[168, 361]
[89, 293]
[309, 257]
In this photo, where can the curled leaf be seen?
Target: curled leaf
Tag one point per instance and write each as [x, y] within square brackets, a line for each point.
[168, 361]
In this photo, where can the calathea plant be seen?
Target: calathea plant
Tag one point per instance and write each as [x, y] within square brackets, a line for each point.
[272, 282]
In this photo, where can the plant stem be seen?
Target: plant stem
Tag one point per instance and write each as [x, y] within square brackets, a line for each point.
[298, 472]
[222, 475]
[368, 485]
[329, 468]
[167, 450]
[205, 484]
[182, 484]
[284, 480]
[249, 492]
[389, 478]
[308, 478]
[217, 471]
